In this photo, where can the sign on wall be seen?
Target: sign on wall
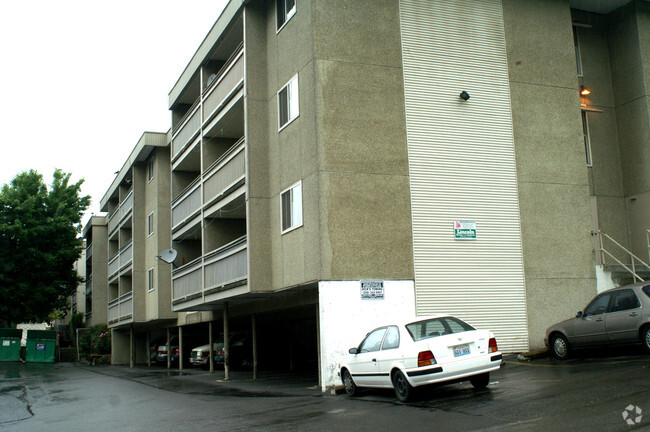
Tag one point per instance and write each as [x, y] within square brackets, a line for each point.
[465, 230]
[372, 290]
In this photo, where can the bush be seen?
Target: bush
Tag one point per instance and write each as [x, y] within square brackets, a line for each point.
[96, 340]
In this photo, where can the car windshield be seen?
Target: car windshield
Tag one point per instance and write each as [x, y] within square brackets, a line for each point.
[436, 327]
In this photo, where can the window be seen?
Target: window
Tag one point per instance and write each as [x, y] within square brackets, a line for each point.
[286, 9]
[576, 45]
[598, 306]
[150, 280]
[437, 327]
[391, 341]
[292, 207]
[585, 134]
[150, 224]
[288, 103]
[372, 342]
[150, 170]
[624, 300]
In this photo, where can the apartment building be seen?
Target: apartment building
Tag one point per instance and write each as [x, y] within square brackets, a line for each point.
[332, 165]
[137, 228]
[337, 163]
[95, 267]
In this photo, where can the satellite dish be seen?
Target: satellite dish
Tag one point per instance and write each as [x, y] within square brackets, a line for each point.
[168, 255]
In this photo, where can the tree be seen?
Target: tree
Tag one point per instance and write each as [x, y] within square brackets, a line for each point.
[39, 244]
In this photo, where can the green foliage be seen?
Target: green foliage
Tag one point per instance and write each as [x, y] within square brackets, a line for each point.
[39, 245]
[76, 321]
[97, 340]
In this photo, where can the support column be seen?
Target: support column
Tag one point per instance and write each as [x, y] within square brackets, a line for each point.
[226, 343]
[180, 348]
[148, 349]
[254, 332]
[210, 342]
[169, 349]
[131, 348]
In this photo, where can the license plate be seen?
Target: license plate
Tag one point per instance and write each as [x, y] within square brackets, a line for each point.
[461, 350]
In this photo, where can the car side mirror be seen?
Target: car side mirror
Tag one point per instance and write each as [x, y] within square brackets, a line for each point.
[354, 351]
[579, 314]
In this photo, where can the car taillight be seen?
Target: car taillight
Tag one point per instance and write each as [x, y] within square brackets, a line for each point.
[222, 351]
[492, 345]
[163, 351]
[176, 351]
[426, 358]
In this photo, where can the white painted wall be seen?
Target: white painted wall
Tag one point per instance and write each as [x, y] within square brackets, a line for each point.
[603, 280]
[345, 319]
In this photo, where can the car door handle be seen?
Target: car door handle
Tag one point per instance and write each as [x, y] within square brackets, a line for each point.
[633, 314]
[374, 359]
[599, 320]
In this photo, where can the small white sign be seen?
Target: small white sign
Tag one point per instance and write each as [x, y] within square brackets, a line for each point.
[372, 289]
[6, 343]
[465, 230]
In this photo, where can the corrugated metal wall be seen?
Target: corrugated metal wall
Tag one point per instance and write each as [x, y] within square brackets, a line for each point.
[462, 165]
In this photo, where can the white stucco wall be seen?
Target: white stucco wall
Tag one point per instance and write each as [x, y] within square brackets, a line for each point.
[345, 318]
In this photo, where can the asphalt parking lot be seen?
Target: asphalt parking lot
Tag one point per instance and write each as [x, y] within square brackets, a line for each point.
[593, 391]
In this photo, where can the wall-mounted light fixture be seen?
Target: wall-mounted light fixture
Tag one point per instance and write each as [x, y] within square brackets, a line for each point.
[464, 95]
[584, 91]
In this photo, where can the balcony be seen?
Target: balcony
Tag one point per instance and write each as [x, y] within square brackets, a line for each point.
[121, 260]
[222, 88]
[213, 100]
[187, 205]
[89, 285]
[225, 173]
[89, 251]
[207, 279]
[118, 215]
[188, 130]
[120, 309]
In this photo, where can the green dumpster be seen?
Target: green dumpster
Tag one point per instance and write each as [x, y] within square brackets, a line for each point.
[40, 347]
[10, 344]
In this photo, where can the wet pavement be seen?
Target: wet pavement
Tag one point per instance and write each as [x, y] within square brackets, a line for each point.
[591, 392]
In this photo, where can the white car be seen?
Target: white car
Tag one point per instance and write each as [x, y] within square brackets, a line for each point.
[423, 351]
[201, 355]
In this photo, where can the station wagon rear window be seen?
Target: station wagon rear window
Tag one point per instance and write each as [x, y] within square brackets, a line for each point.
[437, 327]
[646, 290]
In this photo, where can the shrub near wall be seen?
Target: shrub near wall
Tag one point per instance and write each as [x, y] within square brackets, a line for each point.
[96, 340]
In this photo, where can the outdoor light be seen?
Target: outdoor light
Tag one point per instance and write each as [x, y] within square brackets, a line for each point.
[584, 91]
[464, 95]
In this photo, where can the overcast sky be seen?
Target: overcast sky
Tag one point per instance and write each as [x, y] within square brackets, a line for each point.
[80, 81]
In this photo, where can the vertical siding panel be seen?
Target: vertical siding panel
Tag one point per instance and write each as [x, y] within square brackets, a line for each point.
[462, 165]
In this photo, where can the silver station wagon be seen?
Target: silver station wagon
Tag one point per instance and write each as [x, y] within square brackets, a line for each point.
[616, 316]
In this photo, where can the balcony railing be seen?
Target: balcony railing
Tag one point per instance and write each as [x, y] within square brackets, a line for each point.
[225, 173]
[187, 281]
[89, 251]
[187, 131]
[125, 207]
[188, 204]
[89, 285]
[226, 266]
[120, 309]
[123, 258]
[224, 85]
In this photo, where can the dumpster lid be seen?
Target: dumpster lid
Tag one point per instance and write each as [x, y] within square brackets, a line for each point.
[41, 334]
[11, 333]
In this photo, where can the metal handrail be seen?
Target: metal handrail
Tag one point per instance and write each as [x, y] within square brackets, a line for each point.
[630, 268]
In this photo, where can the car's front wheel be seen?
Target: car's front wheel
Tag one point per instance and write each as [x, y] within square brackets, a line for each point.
[351, 388]
[403, 389]
[560, 347]
[645, 337]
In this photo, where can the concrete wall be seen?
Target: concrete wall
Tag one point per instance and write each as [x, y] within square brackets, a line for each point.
[348, 145]
[552, 175]
[99, 270]
[345, 319]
